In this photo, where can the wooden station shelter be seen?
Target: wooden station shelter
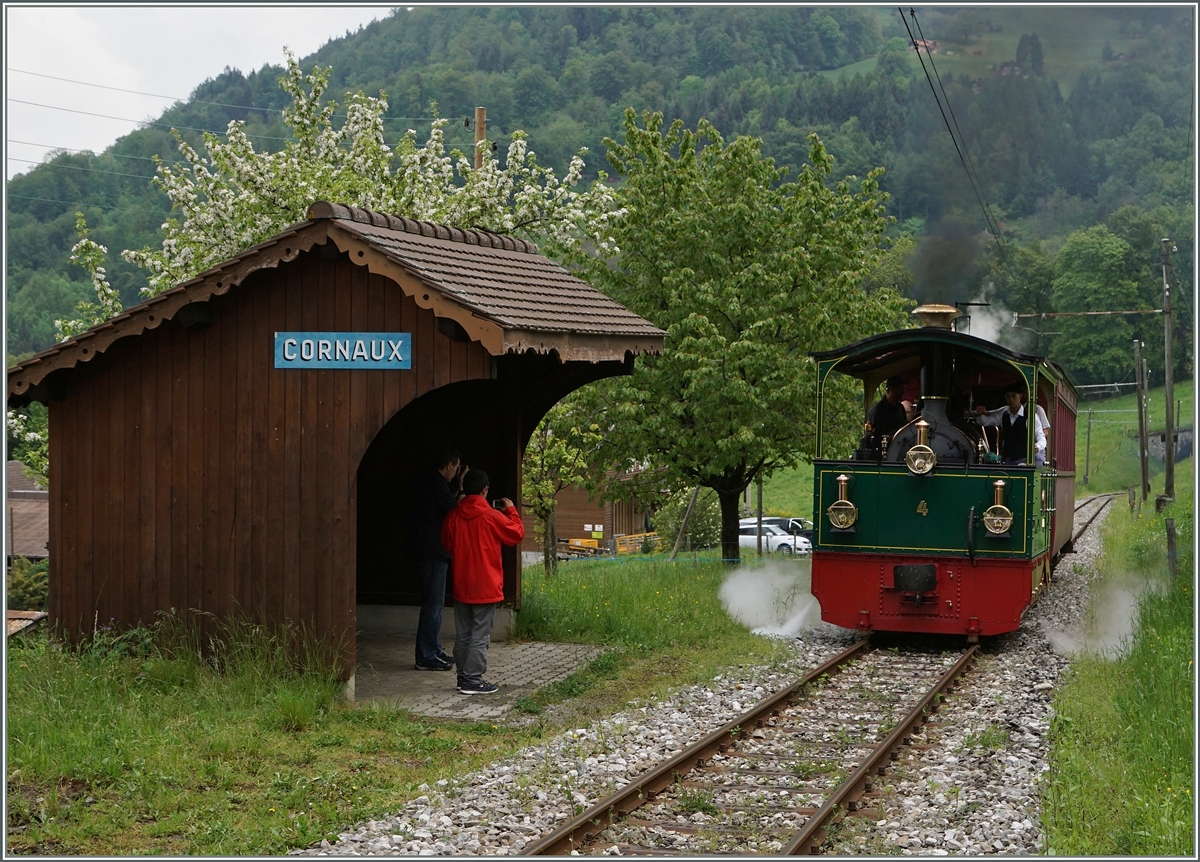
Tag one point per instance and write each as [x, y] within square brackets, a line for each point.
[244, 440]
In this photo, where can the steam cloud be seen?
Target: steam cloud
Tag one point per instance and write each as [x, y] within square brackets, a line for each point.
[774, 599]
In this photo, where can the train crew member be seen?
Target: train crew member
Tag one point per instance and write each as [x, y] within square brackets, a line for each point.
[432, 494]
[1039, 457]
[1014, 429]
[889, 415]
[473, 534]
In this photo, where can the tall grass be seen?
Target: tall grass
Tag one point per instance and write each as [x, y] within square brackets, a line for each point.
[639, 603]
[142, 715]
[1122, 740]
[163, 741]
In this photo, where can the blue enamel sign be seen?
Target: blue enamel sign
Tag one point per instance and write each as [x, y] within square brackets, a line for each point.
[362, 350]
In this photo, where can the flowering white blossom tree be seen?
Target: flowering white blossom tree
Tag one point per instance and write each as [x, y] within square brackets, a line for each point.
[29, 441]
[235, 197]
[90, 255]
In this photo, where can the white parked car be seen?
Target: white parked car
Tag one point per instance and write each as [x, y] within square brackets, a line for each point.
[795, 526]
[776, 540]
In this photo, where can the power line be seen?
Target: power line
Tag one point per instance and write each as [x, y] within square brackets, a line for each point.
[77, 168]
[97, 206]
[976, 188]
[190, 101]
[97, 155]
[139, 122]
[989, 217]
[141, 93]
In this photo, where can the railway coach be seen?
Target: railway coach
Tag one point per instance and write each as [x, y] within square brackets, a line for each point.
[927, 529]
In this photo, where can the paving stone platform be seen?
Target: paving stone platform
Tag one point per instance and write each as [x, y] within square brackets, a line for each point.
[386, 674]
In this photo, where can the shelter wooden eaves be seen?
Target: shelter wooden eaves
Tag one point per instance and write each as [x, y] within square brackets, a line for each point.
[499, 289]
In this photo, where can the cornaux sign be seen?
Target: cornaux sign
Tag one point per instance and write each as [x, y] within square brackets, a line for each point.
[362, 350]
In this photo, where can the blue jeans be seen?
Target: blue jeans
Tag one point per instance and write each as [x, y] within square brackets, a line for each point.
[429, 626]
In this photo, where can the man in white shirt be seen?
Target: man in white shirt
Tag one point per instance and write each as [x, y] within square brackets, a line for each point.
[1014, 430]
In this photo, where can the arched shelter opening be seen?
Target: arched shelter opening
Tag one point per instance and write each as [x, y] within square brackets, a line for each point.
[490, 422]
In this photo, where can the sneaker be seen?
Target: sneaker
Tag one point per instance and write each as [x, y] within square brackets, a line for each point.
[436, 664]
[481, 687]
[446, 658]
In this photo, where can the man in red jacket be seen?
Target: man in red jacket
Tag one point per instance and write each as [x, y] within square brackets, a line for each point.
[472, 534]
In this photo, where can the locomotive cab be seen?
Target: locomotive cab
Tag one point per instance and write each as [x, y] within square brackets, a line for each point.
[928, 528]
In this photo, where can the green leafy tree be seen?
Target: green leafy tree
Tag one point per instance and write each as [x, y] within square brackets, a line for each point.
[747, 274]
[557, 456]
[1029, 53]
[703, 527]
[1093, 273]
[28, 584]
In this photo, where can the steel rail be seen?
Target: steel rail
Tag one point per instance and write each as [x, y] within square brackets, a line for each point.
[1096, 497]
[607, 811]
[1095, 515]
[853, 787]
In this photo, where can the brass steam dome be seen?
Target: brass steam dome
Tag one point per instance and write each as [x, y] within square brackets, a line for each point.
[941, 316]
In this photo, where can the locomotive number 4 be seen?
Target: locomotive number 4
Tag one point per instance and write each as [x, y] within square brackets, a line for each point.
[922, 509]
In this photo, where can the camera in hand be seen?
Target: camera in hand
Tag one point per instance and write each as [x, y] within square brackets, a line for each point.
[498, 503]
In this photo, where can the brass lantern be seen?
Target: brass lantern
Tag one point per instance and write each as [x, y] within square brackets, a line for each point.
[920, 458]
[842, 513]
[998, 518]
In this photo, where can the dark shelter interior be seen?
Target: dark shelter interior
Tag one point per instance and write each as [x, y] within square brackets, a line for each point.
[489, 422]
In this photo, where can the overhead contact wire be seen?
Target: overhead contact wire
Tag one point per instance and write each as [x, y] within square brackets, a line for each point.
[953, 139]
[988, 215]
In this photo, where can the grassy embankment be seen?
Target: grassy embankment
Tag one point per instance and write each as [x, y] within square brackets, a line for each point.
[1113, 465]
[138, 745]
[1122, 739]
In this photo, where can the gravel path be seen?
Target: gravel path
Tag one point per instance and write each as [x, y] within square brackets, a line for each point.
[974, 791]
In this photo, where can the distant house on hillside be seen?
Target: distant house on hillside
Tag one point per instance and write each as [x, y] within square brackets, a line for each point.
[929, 46]
[26, 516]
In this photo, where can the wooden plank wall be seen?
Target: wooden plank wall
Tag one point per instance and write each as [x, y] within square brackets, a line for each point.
[187, 472]
[575, 511]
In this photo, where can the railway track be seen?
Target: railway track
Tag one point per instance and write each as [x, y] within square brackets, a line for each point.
[1106, 498]
[773, 780]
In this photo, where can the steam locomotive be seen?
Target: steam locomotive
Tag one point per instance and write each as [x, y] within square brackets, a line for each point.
[928, 530]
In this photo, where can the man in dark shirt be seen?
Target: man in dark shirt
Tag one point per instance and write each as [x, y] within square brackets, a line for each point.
[433, 493]
[888, 416]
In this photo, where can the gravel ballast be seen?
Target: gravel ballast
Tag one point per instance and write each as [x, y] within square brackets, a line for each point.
[973, 791]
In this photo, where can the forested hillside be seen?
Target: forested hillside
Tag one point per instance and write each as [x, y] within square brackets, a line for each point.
[1077, 125]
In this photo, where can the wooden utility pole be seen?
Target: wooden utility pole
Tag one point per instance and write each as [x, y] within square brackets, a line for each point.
[480, 135]
[687, 516]
[1143, 458]
[1168, 370]
[760, 536]
[1087, 457]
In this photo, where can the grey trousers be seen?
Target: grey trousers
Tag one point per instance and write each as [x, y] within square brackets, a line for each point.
[472, 636]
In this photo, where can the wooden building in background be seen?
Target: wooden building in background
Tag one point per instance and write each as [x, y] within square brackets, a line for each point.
[192, 467]
[577, 516]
